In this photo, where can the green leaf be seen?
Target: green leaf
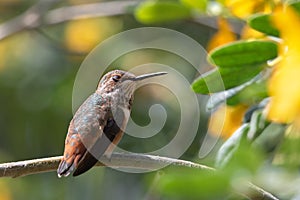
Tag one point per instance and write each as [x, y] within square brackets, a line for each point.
[249, 95]
[270, 138]
[198, 4]
[289, 151]
[236, 154]
[221, 97]
[218, 80]
[231, 145]
[209, 82]
[241, 53]
[258, 123]
[149, 12]
[262, 23]
[296, 7]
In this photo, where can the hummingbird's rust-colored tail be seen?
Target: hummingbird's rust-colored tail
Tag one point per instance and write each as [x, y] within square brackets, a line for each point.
[70, 161]
[67, 166]
[73, 153]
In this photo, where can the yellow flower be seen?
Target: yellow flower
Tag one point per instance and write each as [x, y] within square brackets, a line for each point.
[250, 33]
[284, 84]
[243, 9]
[227, 119]
[223, 36]
[83, 35]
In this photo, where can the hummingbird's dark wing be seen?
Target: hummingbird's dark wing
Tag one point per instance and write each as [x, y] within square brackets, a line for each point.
[91, 157]
[105, 143]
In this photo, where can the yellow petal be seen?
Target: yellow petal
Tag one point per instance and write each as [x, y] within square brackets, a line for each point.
[240, 8]
[243, 9]
[223, 36]
[250, 33]
[83, 35]
[227, 119]
[285, 83]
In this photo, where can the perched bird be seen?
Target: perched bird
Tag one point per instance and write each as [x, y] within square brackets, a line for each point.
[98, 125]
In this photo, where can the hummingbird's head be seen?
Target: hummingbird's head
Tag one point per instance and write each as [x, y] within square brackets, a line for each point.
[122, 82]
[116, 80]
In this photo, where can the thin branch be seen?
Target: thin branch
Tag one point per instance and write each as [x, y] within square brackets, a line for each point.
[137, 161]
[27, 167]
[30, 19]
[118, 160]
[103, 9]
[38, 15]
[258, 193]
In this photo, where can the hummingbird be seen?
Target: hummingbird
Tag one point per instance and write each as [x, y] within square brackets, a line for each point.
[99, 123]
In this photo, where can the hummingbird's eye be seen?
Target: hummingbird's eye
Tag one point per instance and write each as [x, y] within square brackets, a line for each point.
[116, 78]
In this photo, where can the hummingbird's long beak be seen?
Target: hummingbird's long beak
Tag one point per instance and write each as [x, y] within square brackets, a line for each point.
[145, 76]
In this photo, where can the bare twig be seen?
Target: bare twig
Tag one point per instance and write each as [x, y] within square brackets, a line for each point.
[138, 161]
[30, 19]
[118, 160]
[38, 16]
[258, 193]
[103, 9]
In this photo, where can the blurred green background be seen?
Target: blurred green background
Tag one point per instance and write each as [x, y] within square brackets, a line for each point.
[37, 72]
